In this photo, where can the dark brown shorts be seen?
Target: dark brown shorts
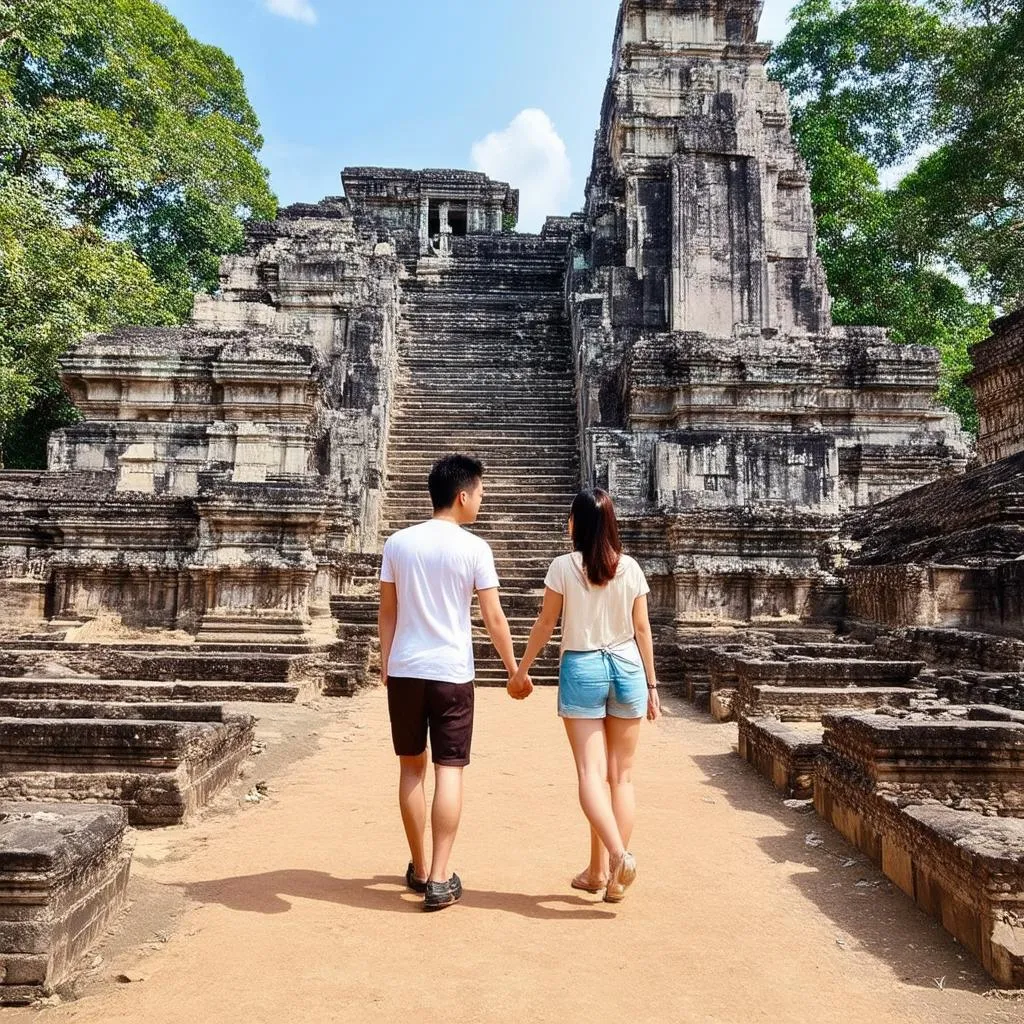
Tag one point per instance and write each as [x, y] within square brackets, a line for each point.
[445, 710]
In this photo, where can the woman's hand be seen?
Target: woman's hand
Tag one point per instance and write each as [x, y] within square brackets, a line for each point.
[653, 704]
[520, 686]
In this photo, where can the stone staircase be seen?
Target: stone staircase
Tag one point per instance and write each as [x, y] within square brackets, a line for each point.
[485, 369]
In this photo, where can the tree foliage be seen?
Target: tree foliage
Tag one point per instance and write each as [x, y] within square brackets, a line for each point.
[128, 164]
[880, 85]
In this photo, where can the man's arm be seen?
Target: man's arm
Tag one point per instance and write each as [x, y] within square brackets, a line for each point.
[387, 621]
[497, 628]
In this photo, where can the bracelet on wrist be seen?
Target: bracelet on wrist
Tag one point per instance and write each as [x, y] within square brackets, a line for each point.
[652, 686]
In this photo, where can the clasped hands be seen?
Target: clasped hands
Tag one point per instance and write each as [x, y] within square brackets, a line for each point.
[520, 685]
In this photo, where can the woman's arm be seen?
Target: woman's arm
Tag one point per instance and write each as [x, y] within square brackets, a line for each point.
[550, 613]
[645, 641]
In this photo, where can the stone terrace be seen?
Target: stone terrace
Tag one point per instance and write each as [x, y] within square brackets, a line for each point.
[161, 762]
[63, 879]
[937, 806]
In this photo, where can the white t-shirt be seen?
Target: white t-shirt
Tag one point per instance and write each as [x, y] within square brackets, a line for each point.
[436, 566]
[596, 618]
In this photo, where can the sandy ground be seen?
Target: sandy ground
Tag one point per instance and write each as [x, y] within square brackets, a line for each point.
[293, 910]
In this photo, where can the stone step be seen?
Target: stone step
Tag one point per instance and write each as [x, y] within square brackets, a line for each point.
[422, 374]
[503, 470]
[460, 335]
[111, 710]
[501, 524]
[841, 651]
[417, 383]
[466, 305]
[810, 703]
[159, 771]
[521, 389]
[508, 523]
[489, 418]
[506, 363]
[517, 391]
[783, 752]
[498, 475]
[828, 672]
[429, 435]
[435, 431]
[524, 497]
[144, 690]
[496, 409]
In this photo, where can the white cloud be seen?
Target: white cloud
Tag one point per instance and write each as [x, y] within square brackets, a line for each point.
[297, 10]
[531, 156]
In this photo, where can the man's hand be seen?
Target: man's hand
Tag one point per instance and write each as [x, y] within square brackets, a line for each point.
[520, 685]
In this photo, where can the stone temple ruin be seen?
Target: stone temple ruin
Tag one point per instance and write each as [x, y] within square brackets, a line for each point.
[833, 563]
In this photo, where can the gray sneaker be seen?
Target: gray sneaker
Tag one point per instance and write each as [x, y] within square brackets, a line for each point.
[442, 894]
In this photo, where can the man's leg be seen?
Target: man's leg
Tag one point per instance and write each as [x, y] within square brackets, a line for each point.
[451, 737]
[408, 713]
[412, 799]
[444, 818]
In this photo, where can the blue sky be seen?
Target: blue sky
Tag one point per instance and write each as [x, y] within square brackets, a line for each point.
[410, 83]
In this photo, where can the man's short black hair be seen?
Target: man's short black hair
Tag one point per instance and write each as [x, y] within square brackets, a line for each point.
[452, 475]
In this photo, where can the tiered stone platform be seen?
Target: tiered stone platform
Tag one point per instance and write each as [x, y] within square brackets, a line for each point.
[781, 697]
[161, 762]
[63, 878]
[1003, 688]
[804, 689]
[249, 672]
[939, 807]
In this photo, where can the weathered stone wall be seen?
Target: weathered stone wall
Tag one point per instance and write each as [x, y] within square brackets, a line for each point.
[962, 866]
[949, 555]
[222, 471]
[998, 385]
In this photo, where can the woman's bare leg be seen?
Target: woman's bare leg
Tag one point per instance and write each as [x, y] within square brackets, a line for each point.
[597, 869]
[587, 739]
[623, 735]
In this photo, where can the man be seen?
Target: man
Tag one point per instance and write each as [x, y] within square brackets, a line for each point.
[428, 577]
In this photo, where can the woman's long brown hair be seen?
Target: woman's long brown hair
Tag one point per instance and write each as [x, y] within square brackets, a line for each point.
[595, 534]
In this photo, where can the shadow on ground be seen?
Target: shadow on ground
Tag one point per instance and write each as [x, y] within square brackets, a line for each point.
[273, 891]
[868, 910]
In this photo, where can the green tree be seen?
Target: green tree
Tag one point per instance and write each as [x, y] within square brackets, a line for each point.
[874, 83]
[56, 283]
[128, 165]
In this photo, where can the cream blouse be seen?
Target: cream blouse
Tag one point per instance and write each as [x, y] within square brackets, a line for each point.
[596, 618]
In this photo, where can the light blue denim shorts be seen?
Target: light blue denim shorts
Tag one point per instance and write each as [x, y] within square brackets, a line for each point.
[599, 684]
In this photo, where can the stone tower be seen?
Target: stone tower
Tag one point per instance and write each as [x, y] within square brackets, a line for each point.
[695, 141]
[717, 401]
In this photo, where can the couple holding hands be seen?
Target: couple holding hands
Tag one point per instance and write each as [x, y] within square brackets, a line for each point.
[607, 682]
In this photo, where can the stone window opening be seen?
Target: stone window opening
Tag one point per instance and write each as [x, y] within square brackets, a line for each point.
[457, 217]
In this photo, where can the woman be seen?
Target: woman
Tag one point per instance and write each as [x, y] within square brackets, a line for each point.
[606, 682]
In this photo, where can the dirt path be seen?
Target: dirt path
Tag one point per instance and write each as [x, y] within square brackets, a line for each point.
[293, 910]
